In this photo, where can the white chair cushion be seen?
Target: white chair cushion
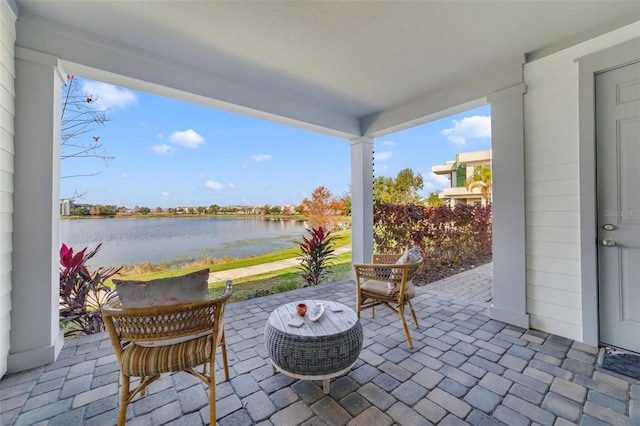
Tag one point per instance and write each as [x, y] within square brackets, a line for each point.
[410, 256]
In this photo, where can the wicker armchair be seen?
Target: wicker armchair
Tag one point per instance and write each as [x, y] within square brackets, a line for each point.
[130, 329]
[372, 284]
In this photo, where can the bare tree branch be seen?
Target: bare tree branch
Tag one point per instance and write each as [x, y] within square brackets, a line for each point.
[80, 117]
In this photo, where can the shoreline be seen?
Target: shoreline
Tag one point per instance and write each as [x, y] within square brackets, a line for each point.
[149, 270]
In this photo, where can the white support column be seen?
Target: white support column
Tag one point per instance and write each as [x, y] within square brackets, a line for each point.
[35, 336]
[509, 261]
[361, 199]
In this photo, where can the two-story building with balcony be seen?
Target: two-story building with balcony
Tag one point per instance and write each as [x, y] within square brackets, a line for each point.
[458, 171]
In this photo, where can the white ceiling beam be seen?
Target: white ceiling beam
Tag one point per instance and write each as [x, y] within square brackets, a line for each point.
[462, 95]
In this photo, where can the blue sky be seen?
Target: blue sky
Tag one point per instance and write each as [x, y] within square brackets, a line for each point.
[170, 153]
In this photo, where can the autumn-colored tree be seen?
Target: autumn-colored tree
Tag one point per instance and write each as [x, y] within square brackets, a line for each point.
[323, 209]
[346, 204]
[287, 210]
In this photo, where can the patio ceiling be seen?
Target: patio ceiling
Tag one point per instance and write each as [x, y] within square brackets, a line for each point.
[345, 68]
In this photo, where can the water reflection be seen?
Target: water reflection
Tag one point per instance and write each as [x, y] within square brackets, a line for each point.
[156, 240]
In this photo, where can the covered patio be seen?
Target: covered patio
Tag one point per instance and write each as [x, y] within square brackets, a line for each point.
[465, 368]
[359, 71]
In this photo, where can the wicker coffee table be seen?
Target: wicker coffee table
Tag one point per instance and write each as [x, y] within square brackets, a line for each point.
[316, 350]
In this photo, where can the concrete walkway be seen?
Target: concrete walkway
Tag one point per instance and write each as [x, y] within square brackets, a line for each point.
[464, 369]
[233, 274]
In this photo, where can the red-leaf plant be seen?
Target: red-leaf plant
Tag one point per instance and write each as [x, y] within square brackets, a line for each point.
[445, 235]
[82, 293]
[316, 252]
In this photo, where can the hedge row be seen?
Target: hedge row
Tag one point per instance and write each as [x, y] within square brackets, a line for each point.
[444, 234]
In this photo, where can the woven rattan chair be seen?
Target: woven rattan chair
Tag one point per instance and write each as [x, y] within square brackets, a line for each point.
[129, 328]
[372, 284]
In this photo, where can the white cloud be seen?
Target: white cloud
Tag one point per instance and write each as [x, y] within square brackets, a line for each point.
[231, 185]
[187, 138]
[108, 96]
[161, 149]
[260, 157]
[468, 128]
[388, 143]
[212, 184]
[165, 194]
[382, 155]
[434, 181]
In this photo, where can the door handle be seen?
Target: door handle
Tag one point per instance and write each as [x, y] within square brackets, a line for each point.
[608, 242]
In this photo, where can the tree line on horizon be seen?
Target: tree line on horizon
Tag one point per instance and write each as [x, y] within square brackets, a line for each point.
[323, 208]
[321, 200]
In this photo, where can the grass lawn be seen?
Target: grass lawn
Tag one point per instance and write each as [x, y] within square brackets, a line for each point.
[258, 285]
[280, 281]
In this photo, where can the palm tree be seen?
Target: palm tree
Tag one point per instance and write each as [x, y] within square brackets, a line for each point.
[481, 178]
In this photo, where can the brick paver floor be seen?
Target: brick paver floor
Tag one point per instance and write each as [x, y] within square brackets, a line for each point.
[464, 369]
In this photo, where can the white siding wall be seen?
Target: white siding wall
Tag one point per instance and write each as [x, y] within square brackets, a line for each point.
[554, 284]
[7, 95]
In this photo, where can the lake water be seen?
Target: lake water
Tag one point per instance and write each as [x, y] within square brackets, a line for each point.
[156, 240]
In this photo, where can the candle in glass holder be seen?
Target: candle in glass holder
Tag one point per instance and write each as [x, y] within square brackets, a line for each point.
[302, 309]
